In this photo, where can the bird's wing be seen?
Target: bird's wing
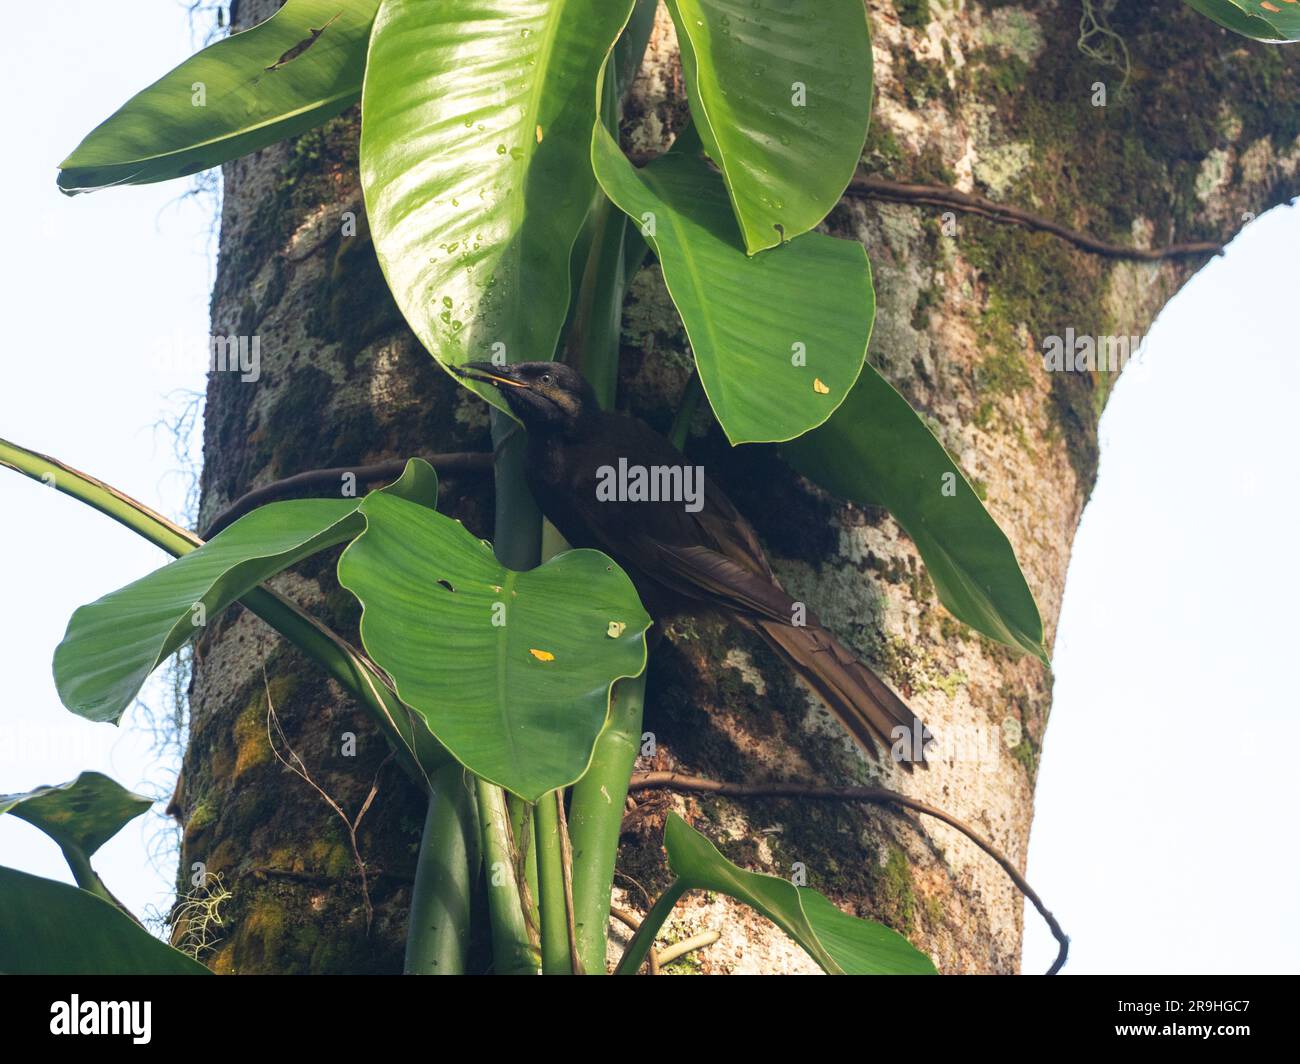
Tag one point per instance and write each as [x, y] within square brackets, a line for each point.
[722, 524]
[701, 573]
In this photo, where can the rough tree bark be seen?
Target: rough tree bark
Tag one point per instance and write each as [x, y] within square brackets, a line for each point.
[990, 97]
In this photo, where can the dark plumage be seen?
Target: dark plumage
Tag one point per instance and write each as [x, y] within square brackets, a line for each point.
[678, 559]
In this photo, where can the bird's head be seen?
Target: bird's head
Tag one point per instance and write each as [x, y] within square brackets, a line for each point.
[545, 396]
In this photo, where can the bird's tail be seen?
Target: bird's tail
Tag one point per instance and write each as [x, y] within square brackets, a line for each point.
[861, 701]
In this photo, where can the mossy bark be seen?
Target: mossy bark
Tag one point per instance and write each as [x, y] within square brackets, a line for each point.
[993, 97]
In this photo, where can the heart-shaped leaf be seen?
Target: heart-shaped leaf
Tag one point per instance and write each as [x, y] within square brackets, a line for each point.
[839, 943]
[113, 644]
[877, 452]
[1275, 21]
[49, 928]
[511, 671]
[781, 93]
[778, 338]
[300, 67]
[476, 118]
[83, 814]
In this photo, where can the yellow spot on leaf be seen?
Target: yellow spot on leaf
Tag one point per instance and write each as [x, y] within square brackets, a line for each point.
[542, 655]
[615, 629]
[539, 134]
[819, 387]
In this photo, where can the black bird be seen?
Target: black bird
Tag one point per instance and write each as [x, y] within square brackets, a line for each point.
[681, 553]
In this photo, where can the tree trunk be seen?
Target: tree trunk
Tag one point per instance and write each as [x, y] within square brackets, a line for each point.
[993, 98]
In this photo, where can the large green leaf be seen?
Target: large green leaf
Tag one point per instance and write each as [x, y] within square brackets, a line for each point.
[1276, 21]
[49, 928]
[300, 67]
[781, 92]
[876, 451]
[113, 644]
[476, 115]
[841, 944]
[512, 671]
[83, 814]
[751, 321]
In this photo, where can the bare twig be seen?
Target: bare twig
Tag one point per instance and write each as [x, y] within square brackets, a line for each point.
[633, 921]
[674, 781]
[870, 187]
[673, 952]
[456, 462]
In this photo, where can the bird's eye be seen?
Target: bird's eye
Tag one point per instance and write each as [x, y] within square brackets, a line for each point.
[546, 378]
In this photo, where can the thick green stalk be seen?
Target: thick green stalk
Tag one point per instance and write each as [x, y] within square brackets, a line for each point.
[512, 949]
[635, 954]
[690, 402]
[419, 752]
[596, 808]
[550, 880]
[517, 525]
[517, 539]
[102, 497]
[596, 811]
[437, 937]
[88, 879]
[598, 312]
[596, 818]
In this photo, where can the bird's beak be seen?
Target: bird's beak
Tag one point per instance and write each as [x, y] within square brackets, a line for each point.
[488, 373]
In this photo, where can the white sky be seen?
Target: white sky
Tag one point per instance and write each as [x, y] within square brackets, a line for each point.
[1162, 839]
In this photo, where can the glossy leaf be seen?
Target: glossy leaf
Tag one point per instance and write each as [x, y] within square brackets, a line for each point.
[511, 671]
[750, 321]
[861, 947]
[1275, 21]
[781, 93]
[839, 943]
[300, 67]
[112, 645]
[876, 451]
[475, 123]
[83, 814]
[49, 928]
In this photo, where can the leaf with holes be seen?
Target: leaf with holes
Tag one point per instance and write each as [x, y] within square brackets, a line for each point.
[511, 671]
[292, 72]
